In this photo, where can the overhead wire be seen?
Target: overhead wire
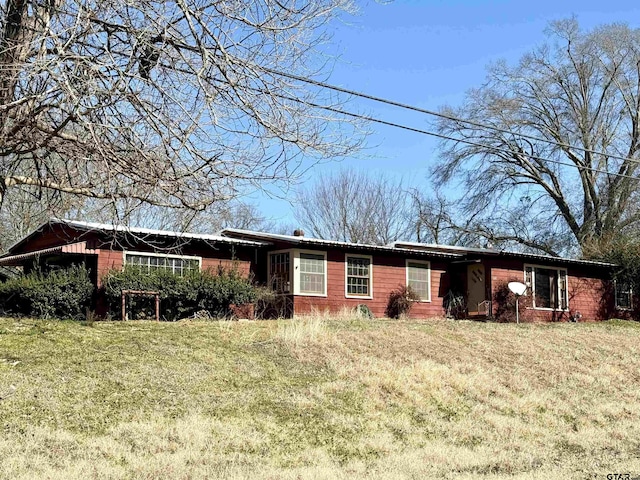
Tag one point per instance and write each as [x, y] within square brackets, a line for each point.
[460, 140]
[446, 116]
[372, 119]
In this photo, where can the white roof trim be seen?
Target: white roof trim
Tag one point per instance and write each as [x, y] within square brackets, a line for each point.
[301, 240]
[105, 227]
[493, 251]
[150, 231]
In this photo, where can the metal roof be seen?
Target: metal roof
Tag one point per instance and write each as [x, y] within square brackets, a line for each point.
[301, 240]
[78, 248]
[260, 239]
[159, 233]
[105, 227]
[505, 253]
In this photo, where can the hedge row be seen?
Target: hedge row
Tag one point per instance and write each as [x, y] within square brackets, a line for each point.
[56, 294]
[181, 297]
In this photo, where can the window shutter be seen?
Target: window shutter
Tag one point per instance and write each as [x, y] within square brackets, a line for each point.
[562, 286]
[528, 275]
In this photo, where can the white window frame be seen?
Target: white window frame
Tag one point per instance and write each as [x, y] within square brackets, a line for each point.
[532, 290]
[615, 297]
[420, 262]
[294, 271]
[158, 255]
[276, 252]
[346, 276]
[297, 272]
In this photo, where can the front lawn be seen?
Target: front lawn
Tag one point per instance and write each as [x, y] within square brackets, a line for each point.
[318, 398]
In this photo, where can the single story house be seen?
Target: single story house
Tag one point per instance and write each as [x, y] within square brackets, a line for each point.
[308, 273]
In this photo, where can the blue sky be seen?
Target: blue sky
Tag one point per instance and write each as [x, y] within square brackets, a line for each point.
[427, 54]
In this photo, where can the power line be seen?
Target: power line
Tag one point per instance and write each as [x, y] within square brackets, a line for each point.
[468, 142]
[414, 129]
[406, 106]
[435, 134]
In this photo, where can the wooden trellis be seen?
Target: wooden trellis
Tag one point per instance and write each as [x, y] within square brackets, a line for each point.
[140, 293]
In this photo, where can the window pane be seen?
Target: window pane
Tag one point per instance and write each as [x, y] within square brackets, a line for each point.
[311, 273]
[543, 286]
[151, 263]
[418, 279]
[623, 295]
[550, 287]
[193, 264]
[358, 276]
[279, 271]
[358, 267]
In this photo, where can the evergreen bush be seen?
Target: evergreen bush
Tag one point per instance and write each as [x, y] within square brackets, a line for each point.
[54, 294]
[181, 296]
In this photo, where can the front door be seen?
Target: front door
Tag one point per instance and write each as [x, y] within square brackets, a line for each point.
[475, 287]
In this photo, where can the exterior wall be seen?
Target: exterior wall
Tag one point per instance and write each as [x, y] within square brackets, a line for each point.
[588, 294]
[389, 272]
[589, 290]
[212, 264]
[108, 260]
[211, 260]
[114, 259]
[51, 236]
[110, 253]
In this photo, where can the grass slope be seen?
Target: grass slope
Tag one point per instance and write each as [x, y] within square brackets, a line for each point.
[318, 398]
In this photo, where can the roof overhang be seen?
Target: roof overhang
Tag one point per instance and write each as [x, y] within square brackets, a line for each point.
[318, 242]
[78, 248]
[142, 233]
[474, 254]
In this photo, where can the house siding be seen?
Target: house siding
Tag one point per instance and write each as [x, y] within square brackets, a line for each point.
[587, 295]
[590, 290]
[389, 273]
[108, 260]
[110, 253]
[52, 236]
[212, 259]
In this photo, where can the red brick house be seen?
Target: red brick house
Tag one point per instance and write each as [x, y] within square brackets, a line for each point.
[101, 247]
[557, 288]
[330, 275]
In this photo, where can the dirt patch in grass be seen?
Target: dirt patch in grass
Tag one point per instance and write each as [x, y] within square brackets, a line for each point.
[318, 398]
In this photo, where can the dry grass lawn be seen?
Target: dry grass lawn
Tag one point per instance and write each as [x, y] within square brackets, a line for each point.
[318, 398]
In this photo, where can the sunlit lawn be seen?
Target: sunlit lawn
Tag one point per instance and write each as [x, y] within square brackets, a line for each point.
[318, 398]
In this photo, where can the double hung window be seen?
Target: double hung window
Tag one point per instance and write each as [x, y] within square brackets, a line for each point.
[548, 286]
[359, 276]
[418, 278]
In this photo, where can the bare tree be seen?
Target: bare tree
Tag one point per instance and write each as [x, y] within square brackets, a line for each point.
[438, 220]
[220, 215]
[353, 206]
[178, 103]
[27, 210]
[550, 160]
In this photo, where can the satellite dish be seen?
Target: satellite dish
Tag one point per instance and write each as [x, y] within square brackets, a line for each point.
[517, 288]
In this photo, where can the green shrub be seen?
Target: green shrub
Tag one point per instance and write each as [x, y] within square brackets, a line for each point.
[55, 294]
[181, 296]
[400, 301]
